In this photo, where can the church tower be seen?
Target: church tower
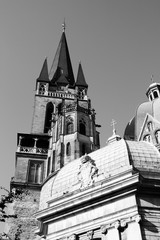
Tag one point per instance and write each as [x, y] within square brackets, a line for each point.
[63, 129]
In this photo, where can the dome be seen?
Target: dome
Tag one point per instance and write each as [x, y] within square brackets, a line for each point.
[102, 165]
[133, 128]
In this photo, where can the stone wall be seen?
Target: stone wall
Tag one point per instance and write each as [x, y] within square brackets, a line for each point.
[24, 209]
[150, 214]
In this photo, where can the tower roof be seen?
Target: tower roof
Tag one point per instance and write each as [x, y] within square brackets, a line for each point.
[44, 72]
[62, 63]
[80, 77]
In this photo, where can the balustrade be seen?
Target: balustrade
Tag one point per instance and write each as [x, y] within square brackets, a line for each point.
[32, 150]
[62, 95]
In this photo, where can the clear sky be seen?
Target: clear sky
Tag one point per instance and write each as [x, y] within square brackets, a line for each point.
[117, 42]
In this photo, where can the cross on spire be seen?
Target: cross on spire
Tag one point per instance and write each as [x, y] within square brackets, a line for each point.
[113, 123]
[63, 26]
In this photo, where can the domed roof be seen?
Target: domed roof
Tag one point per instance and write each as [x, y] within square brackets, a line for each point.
[104, 164]
[133, 128]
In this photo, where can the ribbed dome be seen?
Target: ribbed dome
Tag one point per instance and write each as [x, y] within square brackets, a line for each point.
[107, 162]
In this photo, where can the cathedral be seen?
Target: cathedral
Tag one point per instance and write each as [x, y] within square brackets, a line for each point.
[77, 190]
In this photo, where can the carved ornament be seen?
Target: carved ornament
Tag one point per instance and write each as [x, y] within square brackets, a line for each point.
[87, 171]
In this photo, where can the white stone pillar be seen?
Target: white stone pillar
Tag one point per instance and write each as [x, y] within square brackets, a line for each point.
[113, 232]
[35, 145]
[19, 143]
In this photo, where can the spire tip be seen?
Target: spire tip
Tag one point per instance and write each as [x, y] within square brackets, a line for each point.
[63, 26]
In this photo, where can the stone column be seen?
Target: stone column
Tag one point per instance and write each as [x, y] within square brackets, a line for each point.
[19, 144]
[35, 145]
[113, 232]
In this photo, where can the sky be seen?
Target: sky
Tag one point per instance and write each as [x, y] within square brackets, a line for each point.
[117, 42]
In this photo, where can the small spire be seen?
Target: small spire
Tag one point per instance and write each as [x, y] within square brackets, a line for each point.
[44, 72]
[114, 137]
[63, 26]
[81, 82]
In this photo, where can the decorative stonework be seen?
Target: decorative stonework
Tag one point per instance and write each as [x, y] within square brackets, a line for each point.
[137, 218]
[104, 229]
[69, 119]
[121, 224]
[72, 237]
[87, 171]
[90, 235]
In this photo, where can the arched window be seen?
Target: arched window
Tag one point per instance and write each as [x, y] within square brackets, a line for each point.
[69, 128]
[48, 118]
[155, 94]
[68, 149]
[35, 172]
[82, 128]
[60, 108]
[157, 135]
[147, 138]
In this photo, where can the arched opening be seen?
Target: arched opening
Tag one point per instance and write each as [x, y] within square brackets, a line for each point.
[157, 136]
[60, 108]
[48, 118]
[147, 138]
[155, 94]
[68, 149]
[82, 128]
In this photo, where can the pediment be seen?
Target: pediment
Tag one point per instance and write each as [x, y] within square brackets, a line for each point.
[149, 128]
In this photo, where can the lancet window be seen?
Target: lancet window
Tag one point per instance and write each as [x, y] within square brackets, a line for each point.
[69, 125]
[68, 149]
[82, 127]
[157, 135]
[48, 117]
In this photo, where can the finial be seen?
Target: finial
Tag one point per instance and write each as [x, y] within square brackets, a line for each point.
[63, 26]
[113, 123]
[152, 78]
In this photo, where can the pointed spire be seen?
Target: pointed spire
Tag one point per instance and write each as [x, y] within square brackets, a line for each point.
[80, 78]
[44, 72]
[62, 63]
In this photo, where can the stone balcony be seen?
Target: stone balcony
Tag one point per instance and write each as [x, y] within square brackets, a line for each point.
[33, 143]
